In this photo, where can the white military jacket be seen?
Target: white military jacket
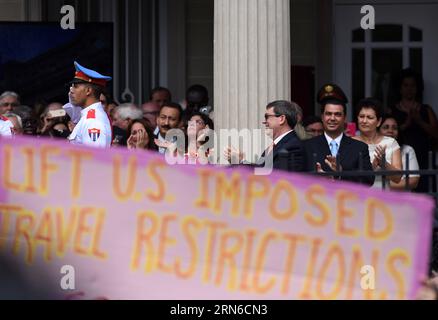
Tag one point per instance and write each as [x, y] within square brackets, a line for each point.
[94, 128]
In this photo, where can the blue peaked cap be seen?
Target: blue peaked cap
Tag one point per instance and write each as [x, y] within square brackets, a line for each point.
[89, 73]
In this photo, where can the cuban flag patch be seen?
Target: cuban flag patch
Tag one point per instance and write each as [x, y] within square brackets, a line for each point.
[94, 134]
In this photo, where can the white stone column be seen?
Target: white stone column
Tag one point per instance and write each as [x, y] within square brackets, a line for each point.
[252, 63]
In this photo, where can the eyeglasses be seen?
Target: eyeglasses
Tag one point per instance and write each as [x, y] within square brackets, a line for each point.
[387, 127]
[314, 131]
[152, 113]
[267, 116]
[12, 104]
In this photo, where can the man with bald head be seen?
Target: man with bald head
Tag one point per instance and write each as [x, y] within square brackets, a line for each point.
[54, 106]
[151, 110]
[160, 96]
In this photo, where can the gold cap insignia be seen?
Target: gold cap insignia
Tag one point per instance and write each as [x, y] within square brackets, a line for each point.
[329, 89]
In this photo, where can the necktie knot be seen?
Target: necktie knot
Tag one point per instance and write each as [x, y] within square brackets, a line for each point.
[334, 148]
[270, 148]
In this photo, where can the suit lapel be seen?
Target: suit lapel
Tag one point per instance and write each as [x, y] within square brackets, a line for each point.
[345, 142]
[278, 147]
[321, 150]
[323, 144]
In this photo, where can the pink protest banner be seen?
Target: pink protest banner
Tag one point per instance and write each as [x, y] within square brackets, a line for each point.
[112, 224]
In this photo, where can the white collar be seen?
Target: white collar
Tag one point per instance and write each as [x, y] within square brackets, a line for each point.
[338, 139]
[96, 105]
[277, 141]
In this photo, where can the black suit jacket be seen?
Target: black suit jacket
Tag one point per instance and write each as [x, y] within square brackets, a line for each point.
[350, 156]
[287, 155]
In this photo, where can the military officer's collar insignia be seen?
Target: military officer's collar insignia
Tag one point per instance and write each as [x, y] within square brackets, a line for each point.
[91, 114]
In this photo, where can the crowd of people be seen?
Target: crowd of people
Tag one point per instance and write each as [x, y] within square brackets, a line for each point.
[394, 139]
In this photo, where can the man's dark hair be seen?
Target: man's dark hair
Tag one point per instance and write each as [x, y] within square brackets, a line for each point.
[196, 97]
[335, 102]
[173, 105]
[311, 120]
[198, 88]
[400, 137]
[283, 107]
[97, 90]
[160, 89]
[149, 130]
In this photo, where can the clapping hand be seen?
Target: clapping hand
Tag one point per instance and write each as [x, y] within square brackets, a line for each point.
[379, 156]
[233, 156]
[170, 147]
[163, 143]
[332, 163]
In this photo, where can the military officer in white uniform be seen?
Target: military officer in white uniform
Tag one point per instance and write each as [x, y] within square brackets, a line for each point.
[94, 127]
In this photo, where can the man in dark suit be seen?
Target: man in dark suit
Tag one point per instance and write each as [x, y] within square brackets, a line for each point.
[334, 151]
[286, 151]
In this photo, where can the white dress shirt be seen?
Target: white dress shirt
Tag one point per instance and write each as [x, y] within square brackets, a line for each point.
[277, 141]
[337, 140]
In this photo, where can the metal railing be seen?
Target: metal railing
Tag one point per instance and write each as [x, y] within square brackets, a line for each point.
[431, 174]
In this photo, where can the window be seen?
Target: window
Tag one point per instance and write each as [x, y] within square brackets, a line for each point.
[379, 55]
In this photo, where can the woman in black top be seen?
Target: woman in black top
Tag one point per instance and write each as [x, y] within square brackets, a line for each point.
[418, 123]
